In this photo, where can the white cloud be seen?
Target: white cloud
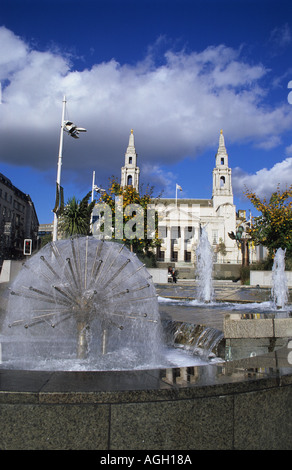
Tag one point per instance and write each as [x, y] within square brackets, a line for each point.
[175, 108]
[164, 180]
[289, 150]
[13, 52]
[265, 181]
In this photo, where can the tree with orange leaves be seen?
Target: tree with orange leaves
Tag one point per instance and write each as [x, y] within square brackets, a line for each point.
[139, 224]
[273, 228]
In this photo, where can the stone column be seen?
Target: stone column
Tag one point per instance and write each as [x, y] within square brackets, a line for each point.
[181, 256]
[168, 244]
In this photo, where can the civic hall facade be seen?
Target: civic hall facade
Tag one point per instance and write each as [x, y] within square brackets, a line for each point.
[180, 220]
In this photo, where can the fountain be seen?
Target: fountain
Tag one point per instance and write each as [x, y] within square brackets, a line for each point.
[83, 299]
[83, 367]
[204, 254]
[280, 288]
[249, 328]
[85, 304]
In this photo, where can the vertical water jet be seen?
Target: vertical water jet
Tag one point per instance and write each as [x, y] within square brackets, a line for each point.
[204, 268]
[280, 286]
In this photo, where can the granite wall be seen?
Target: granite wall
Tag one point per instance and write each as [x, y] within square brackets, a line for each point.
[245, 404]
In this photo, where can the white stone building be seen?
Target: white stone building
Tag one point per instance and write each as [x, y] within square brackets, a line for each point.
[181, 220]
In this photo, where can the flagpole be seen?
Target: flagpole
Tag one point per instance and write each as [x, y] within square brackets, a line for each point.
[55, 226]
[176, 195]
[93, 183]
[92, 197]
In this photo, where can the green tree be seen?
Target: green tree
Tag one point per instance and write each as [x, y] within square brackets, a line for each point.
[75, 219]
[221, 248]
[46, 239]
[273, 228]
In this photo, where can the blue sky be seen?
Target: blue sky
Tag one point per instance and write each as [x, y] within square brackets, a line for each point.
[176, 71]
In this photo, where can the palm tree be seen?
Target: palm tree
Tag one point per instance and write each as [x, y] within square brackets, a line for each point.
[75, 219]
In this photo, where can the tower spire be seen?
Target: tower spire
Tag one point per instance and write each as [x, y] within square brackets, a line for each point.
[221, 155]
[131, 146]
[222, 187]
[130, 171]
[221, 139]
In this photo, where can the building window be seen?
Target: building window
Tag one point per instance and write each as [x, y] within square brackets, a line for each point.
[174, 256]
[222, 181]
[130, 180]
[188, 256]
[189, 233]
[130, 160]
[222, 161]
[160, 254]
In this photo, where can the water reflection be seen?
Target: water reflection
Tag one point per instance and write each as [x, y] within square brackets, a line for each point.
[213, 374]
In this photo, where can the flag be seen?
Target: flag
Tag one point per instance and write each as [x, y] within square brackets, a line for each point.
[178, 187]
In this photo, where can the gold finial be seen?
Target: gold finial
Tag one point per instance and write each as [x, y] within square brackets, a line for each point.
[221, 132]
[132, 131]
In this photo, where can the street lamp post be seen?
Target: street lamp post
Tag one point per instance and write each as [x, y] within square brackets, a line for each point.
[55, 227]
[72, 130]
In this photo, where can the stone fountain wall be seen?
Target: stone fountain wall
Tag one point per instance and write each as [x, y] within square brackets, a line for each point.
[242, 405]
[269, 327]
[264, 278]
